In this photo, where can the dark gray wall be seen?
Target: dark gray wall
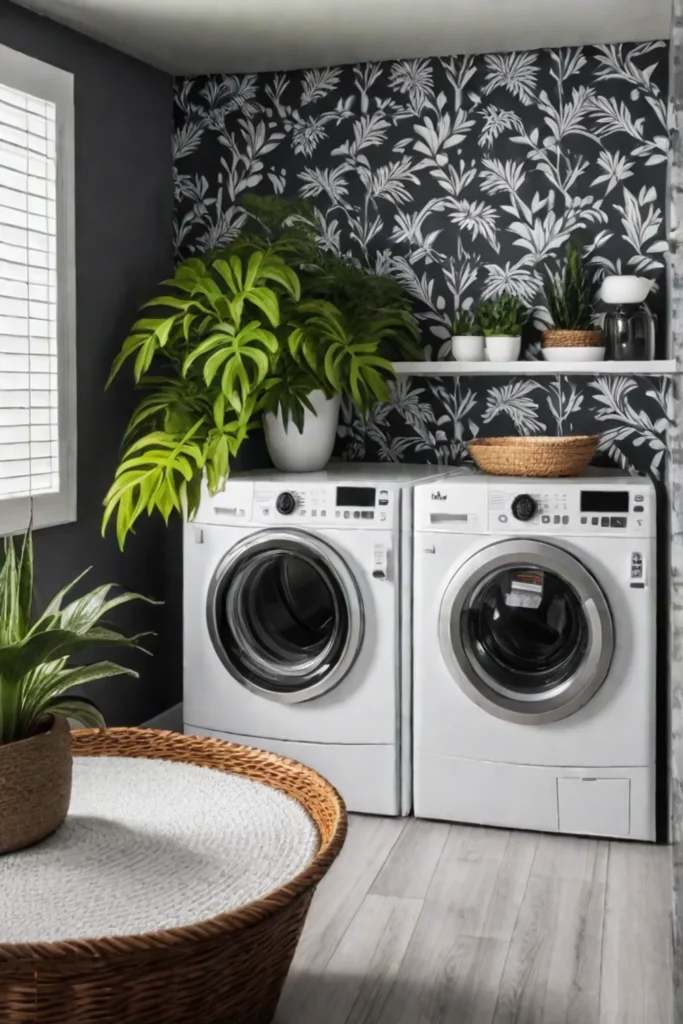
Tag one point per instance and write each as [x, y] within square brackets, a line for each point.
[124, 213]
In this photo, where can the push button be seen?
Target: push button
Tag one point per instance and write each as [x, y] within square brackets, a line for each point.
[545, 519]
[565, 520]
[619, 522]
[584, 520]
[638, 508]
[595, 521]
[556, 520]
[356, 515]
[604, 521]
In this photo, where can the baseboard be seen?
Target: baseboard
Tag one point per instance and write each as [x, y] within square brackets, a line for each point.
[171, 719]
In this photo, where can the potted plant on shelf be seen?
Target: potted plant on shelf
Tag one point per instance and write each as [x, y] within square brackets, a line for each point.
[468, 340]
[35, 673]
[570, 305]
[501, 321]
[271, 329]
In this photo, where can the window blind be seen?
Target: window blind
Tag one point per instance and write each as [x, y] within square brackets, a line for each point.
[29, 397]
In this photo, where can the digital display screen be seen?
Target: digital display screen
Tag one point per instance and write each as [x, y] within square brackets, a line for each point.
[358, 497]
[604, 501]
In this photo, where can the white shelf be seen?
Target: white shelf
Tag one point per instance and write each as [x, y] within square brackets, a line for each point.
[538, 368]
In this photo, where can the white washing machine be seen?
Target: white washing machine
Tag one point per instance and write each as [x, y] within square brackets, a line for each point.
[297, 623]
[534, 648]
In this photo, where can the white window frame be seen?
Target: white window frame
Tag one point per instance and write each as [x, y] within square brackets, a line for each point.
[28, 75]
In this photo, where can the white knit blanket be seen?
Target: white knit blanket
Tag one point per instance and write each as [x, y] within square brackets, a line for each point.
[148, 845]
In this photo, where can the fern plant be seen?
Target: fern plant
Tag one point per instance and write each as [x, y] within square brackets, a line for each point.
[505, 316]
[253, 328]
[35, 669]
[568, 295]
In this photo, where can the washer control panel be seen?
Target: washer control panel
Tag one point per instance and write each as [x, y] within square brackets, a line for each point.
[293, 504]
[586, 510]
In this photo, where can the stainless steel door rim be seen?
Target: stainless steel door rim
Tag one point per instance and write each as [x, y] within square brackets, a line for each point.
[572, 693]
[334, 571]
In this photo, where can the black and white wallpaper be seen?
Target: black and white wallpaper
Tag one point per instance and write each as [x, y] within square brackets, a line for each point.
[463, 177]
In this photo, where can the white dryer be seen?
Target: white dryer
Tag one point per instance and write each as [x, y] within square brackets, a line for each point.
[535, 650]
[297, 623]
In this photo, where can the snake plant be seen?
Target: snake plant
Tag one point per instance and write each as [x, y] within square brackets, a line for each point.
[569, 296]
[253, 328]
[35, 669]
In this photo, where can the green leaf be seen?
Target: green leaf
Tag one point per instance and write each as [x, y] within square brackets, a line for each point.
[295, 340]
[17, 660]
[150, 477]
[206, 346]
[331, 369]
[275, 269]
[188, 320]
[226, 272]
[266, 300]
[214, 363]
[260, 359]
[253, 268]
[219, 410]
[79, 709]
[236, 267]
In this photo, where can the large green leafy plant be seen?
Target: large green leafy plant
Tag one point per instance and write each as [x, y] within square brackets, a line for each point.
[569, 295]
[35, 669]
[253, 328]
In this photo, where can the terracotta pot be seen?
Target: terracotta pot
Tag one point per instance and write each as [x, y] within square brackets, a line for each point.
[35, 786]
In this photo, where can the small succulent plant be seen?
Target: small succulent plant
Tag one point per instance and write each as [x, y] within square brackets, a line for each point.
[505, 316]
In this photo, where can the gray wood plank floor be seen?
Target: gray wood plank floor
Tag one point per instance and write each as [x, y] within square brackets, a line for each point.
[426, 923]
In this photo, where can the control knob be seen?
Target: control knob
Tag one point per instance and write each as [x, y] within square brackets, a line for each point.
[524, 508]
[285, 503]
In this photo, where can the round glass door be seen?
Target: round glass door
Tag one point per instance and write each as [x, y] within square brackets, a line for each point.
[526, 631]
[285, 615]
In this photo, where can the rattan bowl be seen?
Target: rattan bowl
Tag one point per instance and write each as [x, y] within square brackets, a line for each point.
[230, 968]
[534, 456]
[572, 339]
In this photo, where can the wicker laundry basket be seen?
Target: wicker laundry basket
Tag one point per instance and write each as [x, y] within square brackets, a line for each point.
[229, 969]
[534, 456]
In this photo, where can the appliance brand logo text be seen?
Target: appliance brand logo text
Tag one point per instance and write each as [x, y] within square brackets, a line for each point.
[438, 496]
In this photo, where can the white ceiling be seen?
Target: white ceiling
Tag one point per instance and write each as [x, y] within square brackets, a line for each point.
[200, 36]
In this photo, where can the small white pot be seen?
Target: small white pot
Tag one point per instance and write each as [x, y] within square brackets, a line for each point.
[468, 348]
[503, 348]
[293, 451]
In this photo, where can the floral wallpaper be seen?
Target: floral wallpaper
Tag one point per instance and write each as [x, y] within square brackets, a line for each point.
[463, 177]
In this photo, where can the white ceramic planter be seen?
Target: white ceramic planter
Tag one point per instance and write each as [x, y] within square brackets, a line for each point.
[293, 451]
[503, 348]
[468, 348]
[625, 289]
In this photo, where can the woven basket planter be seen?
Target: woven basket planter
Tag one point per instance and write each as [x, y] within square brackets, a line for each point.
[572, 339]
[228, 969]
[534, 456]
[35, 786]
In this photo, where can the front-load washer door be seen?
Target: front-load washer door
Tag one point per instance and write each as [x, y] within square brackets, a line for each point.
[285, 615]
[526, 631]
